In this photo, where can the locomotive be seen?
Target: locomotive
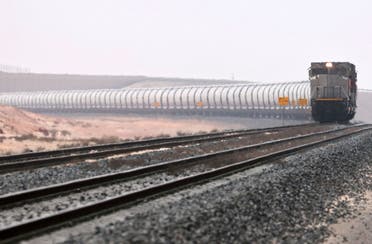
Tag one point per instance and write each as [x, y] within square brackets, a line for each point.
[333, 91]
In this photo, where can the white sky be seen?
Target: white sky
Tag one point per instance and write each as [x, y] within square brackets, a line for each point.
[256, 40]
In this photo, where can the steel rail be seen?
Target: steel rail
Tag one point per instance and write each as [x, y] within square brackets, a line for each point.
[47, 158]
[33, 194]
[38, 226]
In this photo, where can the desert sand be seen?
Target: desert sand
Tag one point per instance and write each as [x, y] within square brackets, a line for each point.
[23, 131]
[356, 229]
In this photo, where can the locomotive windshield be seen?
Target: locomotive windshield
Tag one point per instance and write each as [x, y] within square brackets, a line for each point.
[331, 71]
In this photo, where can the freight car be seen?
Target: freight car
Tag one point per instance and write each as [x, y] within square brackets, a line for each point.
[333, 91]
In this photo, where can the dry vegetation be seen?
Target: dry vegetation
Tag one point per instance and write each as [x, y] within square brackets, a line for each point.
[22, 131]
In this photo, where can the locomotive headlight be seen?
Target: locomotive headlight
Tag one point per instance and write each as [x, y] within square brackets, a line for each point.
[329, 65]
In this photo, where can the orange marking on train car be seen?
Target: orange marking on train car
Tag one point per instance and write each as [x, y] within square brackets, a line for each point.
[156, 104]
[283, 101]
[302, 102]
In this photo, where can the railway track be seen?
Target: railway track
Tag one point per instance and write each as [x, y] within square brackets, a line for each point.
[57, 157]
[214, 165]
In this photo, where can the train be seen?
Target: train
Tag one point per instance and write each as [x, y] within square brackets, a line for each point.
[254, 100]
[329, 95]
[333, 91]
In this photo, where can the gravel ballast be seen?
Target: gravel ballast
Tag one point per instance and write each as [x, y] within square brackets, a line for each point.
[28, 179]
[53, 205]
[292, 200]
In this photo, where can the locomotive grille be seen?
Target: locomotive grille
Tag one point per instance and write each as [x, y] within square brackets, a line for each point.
[329, 92]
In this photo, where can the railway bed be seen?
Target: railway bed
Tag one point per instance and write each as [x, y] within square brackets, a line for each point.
[58, 157]
[74, 170]
[214, 165]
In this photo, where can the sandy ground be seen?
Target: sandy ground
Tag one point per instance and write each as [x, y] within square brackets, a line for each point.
[355, 230]
[22, 131]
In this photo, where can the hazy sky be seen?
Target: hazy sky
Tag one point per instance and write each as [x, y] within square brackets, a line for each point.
[254, 40]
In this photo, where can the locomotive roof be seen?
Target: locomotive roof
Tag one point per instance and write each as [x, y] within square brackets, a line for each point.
[322, 64]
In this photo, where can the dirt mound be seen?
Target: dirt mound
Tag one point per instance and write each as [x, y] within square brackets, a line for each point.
[16, 122]
[23, 131]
